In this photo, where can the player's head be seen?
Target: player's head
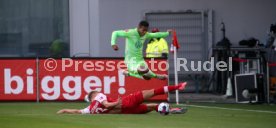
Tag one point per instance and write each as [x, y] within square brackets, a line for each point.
[143, 27]
[92, 94]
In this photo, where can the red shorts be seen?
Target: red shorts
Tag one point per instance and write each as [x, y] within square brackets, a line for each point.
[133, 100]
[140, 109]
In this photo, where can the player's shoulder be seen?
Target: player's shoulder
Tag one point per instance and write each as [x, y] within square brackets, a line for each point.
[130, 30]
[100, 97]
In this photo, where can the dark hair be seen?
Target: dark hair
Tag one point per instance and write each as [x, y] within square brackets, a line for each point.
[90, 94]
[144, 23]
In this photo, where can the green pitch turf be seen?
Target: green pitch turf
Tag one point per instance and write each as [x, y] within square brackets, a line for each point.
[43, 115]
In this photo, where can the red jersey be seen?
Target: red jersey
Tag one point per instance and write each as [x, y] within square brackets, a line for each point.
[131, 104]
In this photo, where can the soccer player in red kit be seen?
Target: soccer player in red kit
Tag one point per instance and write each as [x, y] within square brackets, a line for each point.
[129, 104]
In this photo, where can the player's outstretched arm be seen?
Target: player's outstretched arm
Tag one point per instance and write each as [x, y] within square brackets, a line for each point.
[110, 105]
[160, 34]
[115, 35]
[69, 111]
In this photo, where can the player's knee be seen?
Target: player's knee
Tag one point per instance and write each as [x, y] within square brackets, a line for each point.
[143, 70]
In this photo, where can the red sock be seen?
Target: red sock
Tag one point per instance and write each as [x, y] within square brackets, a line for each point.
[166, 89]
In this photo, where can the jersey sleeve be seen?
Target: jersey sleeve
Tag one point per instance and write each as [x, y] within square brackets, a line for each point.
[116, 34]
[158, 35]
[85, 110]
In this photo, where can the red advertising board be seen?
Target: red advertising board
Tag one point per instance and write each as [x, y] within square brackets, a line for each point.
[70, 79]
[17, 79]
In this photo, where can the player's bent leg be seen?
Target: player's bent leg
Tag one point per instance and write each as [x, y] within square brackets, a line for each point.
[132, 100]
[132, 70]
[133, 74]
[140, 109]
[147, 94]
[125, 72]
[148, 74]
[152, 107]
[146, 78]
[136, 75]
[142, 70]
[161, 76]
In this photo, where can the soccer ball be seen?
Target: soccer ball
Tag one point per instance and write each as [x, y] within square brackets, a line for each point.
[86, 98]
[245, 94]
[164, 108]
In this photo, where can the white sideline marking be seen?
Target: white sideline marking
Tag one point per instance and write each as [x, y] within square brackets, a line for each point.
[234, 109]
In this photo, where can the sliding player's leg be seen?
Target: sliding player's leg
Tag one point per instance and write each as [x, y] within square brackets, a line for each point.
[139, 109]
[173, 110]
[137, 98]
[147, 94]
[152, 107]
[146, 108]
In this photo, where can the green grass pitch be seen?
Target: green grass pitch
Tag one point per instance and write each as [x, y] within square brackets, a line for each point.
[43, 115]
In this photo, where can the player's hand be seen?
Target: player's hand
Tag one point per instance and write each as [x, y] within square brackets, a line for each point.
[119, 101]
[60, 112]
[115, 47]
